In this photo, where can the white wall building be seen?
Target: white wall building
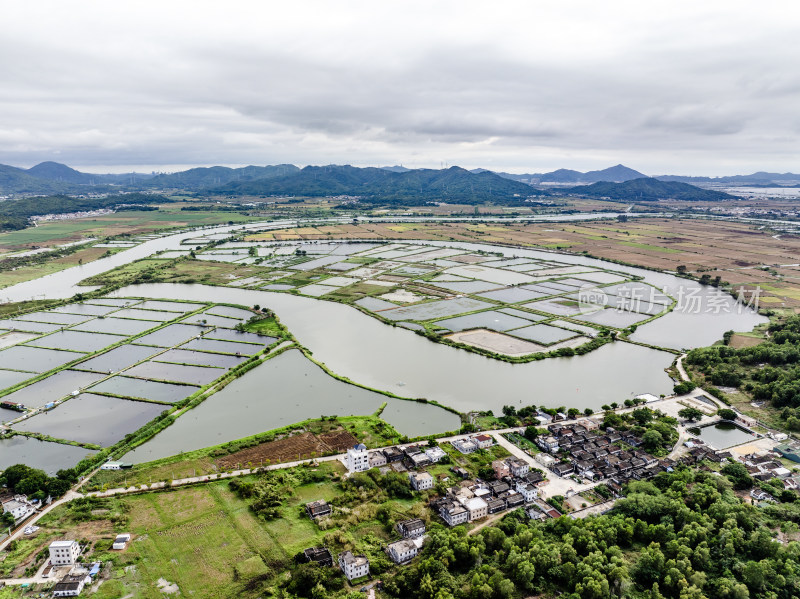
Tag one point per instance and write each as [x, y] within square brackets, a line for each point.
[420, 481]
[64, 553]
[404, 550]
[527, 490]
[357, 459]
[353, 566]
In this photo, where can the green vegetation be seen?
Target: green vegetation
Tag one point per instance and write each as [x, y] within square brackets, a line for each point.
[684, 535]
[35, 483]
[646, 189]
[15, 214]
[769, 371]
[656, 429]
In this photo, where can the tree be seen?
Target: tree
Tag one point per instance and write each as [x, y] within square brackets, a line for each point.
[532, 433]
[684, 387]
[727, 414]
[737, 473]
[573, 412]
[690, 414]
[652, 440]
[588, 412]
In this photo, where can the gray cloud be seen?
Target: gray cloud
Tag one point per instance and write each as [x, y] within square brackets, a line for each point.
[664, 87]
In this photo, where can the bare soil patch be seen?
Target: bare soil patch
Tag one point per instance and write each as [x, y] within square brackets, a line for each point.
[296, 447]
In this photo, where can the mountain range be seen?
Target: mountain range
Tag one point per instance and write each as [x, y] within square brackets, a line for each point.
[396, 183]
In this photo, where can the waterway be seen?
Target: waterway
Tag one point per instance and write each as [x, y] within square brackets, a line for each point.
[284, 390]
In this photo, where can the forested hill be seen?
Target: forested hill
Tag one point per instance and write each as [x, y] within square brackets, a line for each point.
[648, 190]
[411, 187]
[203, 178]
[15, 214]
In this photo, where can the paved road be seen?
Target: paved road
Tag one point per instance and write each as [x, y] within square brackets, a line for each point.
[679, 366]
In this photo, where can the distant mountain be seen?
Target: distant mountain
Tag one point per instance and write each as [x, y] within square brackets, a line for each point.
[759, 178]
[647, 189]
[54, 171]
[614, 174]
[563, 176]
[204, 178]
[396, 168]
[17, 180]
[412, 187]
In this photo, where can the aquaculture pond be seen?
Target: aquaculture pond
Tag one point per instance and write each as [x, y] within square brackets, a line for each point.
[281, 391]
[197, 375]
[45, 455]
[52, 388]
[138, 388]
[118, 358]
[95, 419]
[723, 435]
[185, 356]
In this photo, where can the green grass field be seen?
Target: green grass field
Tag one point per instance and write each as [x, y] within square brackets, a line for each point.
[131, 222]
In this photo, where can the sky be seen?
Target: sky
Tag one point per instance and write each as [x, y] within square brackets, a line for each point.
[666, 87]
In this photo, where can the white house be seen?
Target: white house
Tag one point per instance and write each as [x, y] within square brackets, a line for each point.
[64, 553]
[476, 507]
[121, 542]
[435, 453]
[453, 513]
[527, 490]
[357, 459]
[545, 459]
[465, 446]
[549, 444]
[420, 480]
[483, 441]
[18, 506]
[404, 550]
[71, 585]
[518, 467]
[353, 566]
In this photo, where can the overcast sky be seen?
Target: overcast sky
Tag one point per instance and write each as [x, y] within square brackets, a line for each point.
[664, 87]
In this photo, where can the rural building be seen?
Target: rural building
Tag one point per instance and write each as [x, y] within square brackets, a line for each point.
[534, 513]
[476, 507]
[71, 585]
[453, 513]
[549, 444]
[116, 466]
[64, 553]
[419, 460]
[435, 454]
[563, 468]
[527, 490]
[465, 446]
[357, 458]
[483, 441]
[420, 481]
[501, 469]
[18, 506]
[545, 459]
[318, 509]
[353, 566]
[460, 472]
[121, 542]
[319, 555]
[512, 498]
[404, 550]
[392, 454]
[496, 505]
[517, 466]
[409, 529]
[376, 459]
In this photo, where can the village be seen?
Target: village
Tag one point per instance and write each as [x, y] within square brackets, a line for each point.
[570, 461]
